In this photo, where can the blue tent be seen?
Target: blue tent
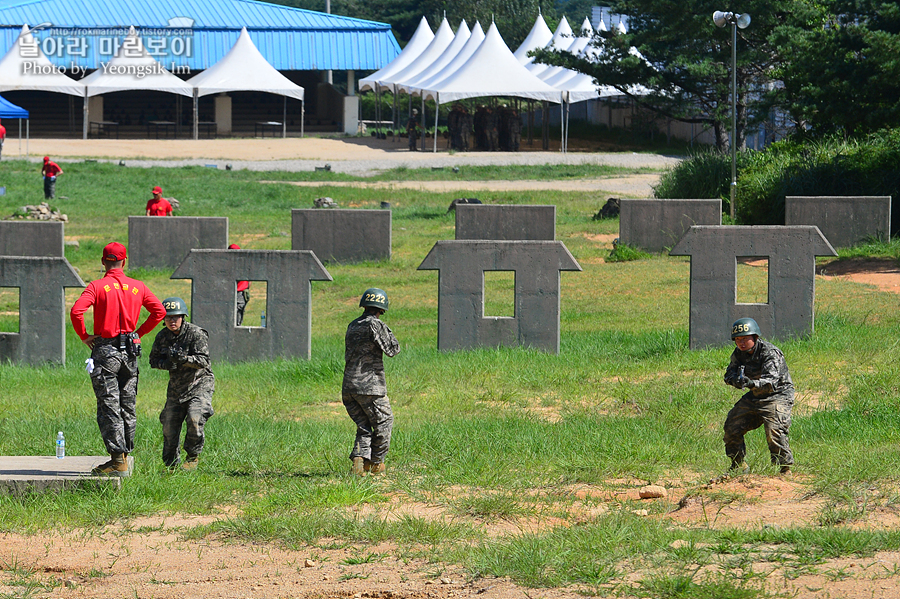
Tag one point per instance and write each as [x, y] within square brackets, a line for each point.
[8, 110]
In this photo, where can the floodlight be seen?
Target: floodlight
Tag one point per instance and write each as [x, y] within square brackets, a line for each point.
[743, 21]
[721, 18]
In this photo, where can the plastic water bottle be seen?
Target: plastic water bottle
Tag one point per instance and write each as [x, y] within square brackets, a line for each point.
[60, 445]
[262, 320]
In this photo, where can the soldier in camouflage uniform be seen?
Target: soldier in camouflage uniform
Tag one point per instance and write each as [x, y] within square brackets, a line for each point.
[364, 391]
[182, 348]
[759, 366]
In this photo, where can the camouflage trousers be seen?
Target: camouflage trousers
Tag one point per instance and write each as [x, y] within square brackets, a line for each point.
[374, 422]
[240, 305]
[193, 414]
[115, 382]
[749, 413]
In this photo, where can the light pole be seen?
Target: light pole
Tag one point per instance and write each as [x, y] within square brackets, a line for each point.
[736, 21]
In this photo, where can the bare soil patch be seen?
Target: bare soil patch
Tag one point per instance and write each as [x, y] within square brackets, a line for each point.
[882, 273]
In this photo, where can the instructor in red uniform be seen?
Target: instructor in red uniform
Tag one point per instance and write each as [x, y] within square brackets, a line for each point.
[115, 347]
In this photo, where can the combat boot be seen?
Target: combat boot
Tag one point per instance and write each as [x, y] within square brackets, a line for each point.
[117, 466]
[357, 467]
[377, 469]
[785, 470]
[191, 462]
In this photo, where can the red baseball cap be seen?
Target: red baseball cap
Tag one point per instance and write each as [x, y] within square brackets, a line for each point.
[234, 246]
[46, 159]
[157, 189]
[114, 252]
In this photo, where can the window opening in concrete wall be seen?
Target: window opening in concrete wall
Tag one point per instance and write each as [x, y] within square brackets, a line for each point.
[752, 280]
[255, 309]
[500, 293]
[9, 309]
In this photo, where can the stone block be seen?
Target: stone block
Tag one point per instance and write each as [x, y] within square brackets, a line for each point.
[42, 308]
[164, 241]
[338, 235]
[844, 220]
[655, 225]
[714, 251]
[506, 223]
[462, 264]
[32, 238]
[288, 274]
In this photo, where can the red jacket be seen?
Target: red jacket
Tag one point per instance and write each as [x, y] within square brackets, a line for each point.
[51, 169]
[117, 302]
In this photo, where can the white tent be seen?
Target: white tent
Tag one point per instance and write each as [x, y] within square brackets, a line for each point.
[443, 37]
[539, 36]
[244, 69]
[465, 53]
[24, 67]
[459, 41]
[419, 41]
[562, 39]
[555, 73]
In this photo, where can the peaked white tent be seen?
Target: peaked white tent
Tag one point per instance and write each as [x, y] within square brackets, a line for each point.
[459, 41]
[417, 43]
[443, 37]
[465, 53]
[575, 47]
[244, 69]
[25, 67]
[539, 36]
[562, 39]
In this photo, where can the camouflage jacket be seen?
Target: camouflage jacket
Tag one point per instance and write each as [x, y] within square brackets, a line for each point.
[186, 356]
[764, 366]
[366, 340]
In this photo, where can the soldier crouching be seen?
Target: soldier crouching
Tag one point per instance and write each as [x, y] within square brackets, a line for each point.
[364, 391]
[759, 366]
[182, 349]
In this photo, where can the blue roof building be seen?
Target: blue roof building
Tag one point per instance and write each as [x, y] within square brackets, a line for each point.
[195, 34]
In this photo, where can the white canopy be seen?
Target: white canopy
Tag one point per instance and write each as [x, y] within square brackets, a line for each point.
[24, 67]
[539, 36]
[492, 70]
[244, 69]
[553, 74]
[472, 44]
[133, 68]
[462, 36]
[443, 37]
[419, 41]
[562, 39]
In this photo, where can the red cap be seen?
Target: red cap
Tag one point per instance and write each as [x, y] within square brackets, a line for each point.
[114, 252]
[234, 246]
[157, 189]
[46, 159]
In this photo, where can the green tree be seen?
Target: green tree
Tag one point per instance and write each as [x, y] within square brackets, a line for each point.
[675, 62]
[840, 68]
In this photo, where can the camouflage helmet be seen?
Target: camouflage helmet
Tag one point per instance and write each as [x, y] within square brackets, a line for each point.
[374, 298]
[743, 327]
[175, 306]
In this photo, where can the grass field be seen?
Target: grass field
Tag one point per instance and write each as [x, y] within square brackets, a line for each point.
[488, 435]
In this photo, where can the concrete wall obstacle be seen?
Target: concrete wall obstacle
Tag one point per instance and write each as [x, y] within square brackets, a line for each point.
[42, 308]
[338, 235]
[32, 238]
[461, 266]
[844, 220]
[714, 251]
[288, 274]
[164, 241]
[655, 225]
[506, 222]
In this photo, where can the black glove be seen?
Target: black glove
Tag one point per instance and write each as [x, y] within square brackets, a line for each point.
[178, 357]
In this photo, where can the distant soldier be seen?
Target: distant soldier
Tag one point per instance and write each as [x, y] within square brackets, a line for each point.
[243, 295]
[115, 346]
[182, 349]
[759, 366]
[514, 129]
[412, 130]
[492, 122]
[503, 128]
[454, 126]
[467, 127]
[480, 122]
[364, 391]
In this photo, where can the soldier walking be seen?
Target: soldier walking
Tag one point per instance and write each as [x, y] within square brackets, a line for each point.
[412, 130]
[182, 349]
[115, 347]
[364, 391]
[759, 366]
